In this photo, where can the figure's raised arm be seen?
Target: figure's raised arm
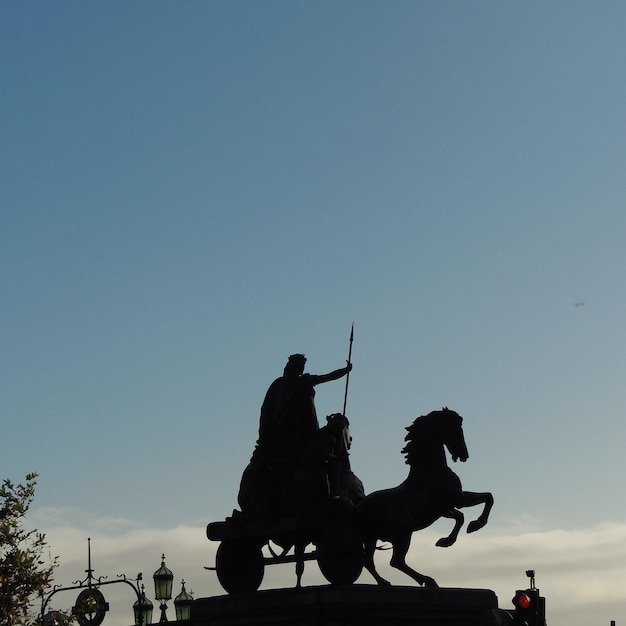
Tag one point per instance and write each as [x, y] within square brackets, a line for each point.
[324, 378]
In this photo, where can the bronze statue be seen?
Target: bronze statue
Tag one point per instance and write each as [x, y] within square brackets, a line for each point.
[287, 427]
[339, 521]
[431, 490]
[299, 491]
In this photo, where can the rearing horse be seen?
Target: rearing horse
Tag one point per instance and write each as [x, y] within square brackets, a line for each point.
[431, 490]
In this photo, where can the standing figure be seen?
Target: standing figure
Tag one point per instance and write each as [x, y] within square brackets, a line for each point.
[287, 425]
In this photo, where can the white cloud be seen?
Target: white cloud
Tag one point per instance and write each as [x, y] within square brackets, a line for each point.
[581, 572]
[54, 517]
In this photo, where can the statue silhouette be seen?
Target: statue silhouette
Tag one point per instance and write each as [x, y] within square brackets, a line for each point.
[288, 425]
[431, 490]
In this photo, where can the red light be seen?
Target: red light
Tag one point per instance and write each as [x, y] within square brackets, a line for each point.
[522, 600]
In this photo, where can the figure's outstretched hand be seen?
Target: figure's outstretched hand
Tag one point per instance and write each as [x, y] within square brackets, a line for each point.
[348, 366]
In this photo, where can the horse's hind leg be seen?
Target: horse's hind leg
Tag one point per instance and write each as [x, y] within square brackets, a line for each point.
[469, 498]
[398, 560]
[368, 562]
[457, 516]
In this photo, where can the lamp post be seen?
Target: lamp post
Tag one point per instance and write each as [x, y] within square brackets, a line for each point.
[183, 602]
[163, 578]
[142, 609]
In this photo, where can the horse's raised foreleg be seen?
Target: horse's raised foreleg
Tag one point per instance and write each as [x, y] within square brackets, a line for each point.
[368, 562]
[469, 498]
[398, 560]
[457, 516]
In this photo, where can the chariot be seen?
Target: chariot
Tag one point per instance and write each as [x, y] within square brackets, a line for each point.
[325, 533]
[316, 525]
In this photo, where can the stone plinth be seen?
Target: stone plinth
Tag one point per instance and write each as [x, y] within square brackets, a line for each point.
[362, 605]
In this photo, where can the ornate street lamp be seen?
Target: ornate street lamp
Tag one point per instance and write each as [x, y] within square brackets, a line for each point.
[163, 587]
[91, 607]
[183, 602]
[143, 610]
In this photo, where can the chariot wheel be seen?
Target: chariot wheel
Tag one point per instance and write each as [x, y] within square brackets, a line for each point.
[239, 566]
[340, 553]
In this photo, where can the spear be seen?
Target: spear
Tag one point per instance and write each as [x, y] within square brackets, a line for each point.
[345, 397]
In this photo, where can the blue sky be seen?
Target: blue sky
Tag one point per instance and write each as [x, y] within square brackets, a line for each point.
[193, 191]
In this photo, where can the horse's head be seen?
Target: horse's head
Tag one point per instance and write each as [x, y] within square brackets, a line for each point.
[443, 428]
[454, 437]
